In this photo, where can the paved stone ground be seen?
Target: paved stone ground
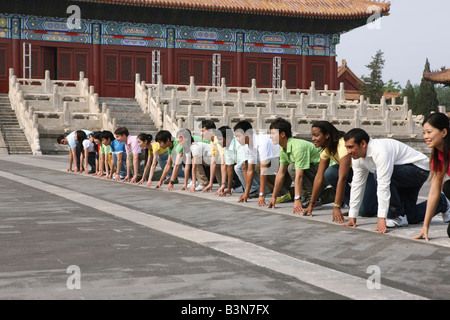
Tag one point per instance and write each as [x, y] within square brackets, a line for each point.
[134, 242]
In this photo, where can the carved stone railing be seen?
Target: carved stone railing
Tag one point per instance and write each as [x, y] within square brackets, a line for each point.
[176, 106]
[49, 106]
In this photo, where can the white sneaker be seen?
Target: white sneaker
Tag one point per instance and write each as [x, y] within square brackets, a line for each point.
[400, 221]
[197, 183]
[199, 188]
[446, 214]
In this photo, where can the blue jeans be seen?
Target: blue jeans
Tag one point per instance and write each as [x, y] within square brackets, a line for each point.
[240, 174]
[369, 206]
[406, 182]
[162, 159]
[91, 160]
[123, 169]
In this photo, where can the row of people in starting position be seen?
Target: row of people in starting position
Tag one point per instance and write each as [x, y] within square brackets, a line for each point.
[372, 177]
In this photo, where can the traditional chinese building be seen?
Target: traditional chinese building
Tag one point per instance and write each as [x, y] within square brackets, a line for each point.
[439, 77]
[112, 40]
[352, 84]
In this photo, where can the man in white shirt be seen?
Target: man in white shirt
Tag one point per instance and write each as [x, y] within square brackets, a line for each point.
[400, 172]
[235, 158]
[263, 152]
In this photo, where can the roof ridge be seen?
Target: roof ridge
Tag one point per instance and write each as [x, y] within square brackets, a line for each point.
[333, 9]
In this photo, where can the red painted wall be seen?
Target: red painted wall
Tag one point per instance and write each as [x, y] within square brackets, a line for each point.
[111, 69]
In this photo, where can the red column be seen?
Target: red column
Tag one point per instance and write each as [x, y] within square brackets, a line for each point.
[304, 71]
[16, 55]
[240, 70]
[332, 74]
[97, 70]
[170, 66]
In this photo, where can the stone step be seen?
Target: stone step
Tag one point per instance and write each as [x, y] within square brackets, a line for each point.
[12, 128]
[132, 119]
[14, 151]
[16, 139]
[18, 145]
[123, 108]
[140, 128]
[13, 134]
[128, 113]
[8, 121]
[7, 117]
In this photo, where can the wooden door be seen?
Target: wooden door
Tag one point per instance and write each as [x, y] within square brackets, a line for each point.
[49, 61]
[4, 74]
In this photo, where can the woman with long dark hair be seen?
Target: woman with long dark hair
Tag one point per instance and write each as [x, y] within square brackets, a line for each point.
[436, 128]
[339, 175]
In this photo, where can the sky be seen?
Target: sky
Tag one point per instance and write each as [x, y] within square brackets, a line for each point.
[414, 31]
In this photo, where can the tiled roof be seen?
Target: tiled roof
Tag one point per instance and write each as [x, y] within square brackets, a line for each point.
[442, 76]
[343, 68]
[356, 95]
[328, 9]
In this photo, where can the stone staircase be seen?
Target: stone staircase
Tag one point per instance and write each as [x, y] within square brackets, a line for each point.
[12, 135]
[129, 114]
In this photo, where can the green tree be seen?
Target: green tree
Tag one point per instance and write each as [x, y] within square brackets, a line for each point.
[410, 92]
[392, 86]
[372, 86]
[427, 100]
[443, 94]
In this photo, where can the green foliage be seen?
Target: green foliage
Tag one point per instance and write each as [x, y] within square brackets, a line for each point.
[443, 95]
[427, 100]
[411, 92]
[392, 86]
[373, 85]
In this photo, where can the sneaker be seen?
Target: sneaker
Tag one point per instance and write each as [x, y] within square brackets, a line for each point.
[254, 194]
[199, 188]
[446, 214]
[285, 198]
[197, 183]
[317, 204]
[400, 221]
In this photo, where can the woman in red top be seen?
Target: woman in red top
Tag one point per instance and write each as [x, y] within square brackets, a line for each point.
[436, 134]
